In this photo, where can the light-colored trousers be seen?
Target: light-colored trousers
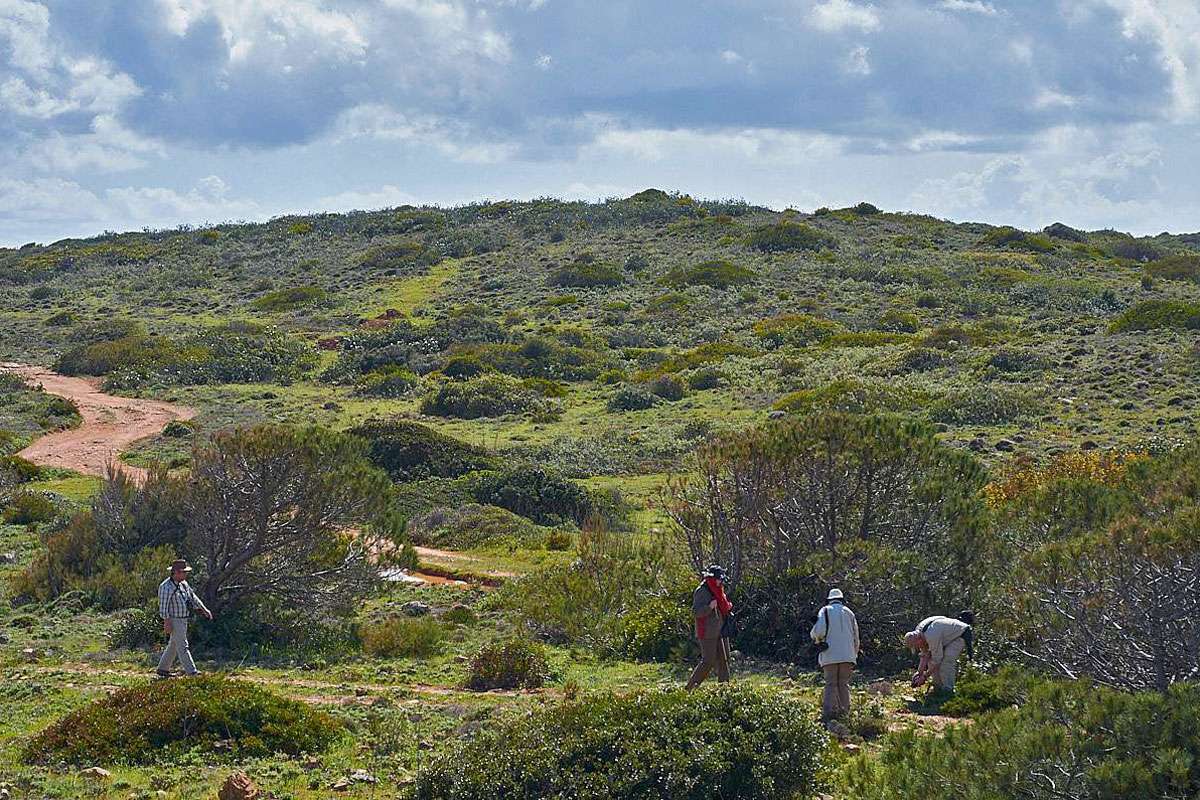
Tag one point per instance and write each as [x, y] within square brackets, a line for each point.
[835, 702]
[947, 671]
[177, 647]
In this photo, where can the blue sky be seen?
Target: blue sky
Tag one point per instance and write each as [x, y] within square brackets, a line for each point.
[124, 114]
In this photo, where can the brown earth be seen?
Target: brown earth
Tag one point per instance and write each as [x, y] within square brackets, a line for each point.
[110, 423]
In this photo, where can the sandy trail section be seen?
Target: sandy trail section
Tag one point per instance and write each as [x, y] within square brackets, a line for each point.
[110, 423]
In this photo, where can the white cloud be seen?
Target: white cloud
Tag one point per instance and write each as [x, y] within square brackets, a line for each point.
[1174, 25]
[939, 140]
[970, 6]
[278, 30]
[387, 196]
[760, 145]
[857, 61]
[1049, 98]
[447, 137]
[839, 15]
[731, 56]
[543, 62]
[109, 147]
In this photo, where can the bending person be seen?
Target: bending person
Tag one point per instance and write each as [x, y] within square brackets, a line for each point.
[939, 641]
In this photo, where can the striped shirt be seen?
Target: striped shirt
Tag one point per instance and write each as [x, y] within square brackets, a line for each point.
[176, 600]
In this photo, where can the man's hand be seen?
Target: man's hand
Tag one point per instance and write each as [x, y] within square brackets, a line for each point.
[712, 604]
[167, 627]
[208, 614]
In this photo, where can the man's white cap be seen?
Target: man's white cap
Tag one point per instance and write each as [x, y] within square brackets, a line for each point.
[835, 594]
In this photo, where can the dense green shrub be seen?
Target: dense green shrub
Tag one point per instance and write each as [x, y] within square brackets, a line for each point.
[1151, 314]
[983, 405]
[668, 387]
[1179, 267]
[917, 359]
[515, 663]
[472, 526]
[1058, 230]
[398, 255]
[30, 508]
[756, 745]
[899, 321]
[160, 720]
[485, 396]
[403, 637]
[717, 274]
[851, 396]
[659, 630]
[703, 379]
[632, 398]
[536, 494]
[1013, 239]
[1067, 740]
[390, 381]
[410, 451]
[291, 297]
[585, 272]
[787, 236]
[137, 628]
[105, 356]
[463, 366]
[796, 329]
[1135, 250]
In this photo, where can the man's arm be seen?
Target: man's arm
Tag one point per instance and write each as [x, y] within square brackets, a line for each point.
[199, 604]
[819, 629]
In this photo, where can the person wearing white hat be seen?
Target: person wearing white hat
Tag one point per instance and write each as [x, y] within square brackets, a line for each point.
[176, 599]
[836, 636]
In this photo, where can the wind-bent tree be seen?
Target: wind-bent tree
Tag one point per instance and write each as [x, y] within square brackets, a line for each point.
[285, 513]
[872, 503]
[1118, 602]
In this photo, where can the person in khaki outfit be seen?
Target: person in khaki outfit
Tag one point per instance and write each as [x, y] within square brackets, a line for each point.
[939, 641]
[837, 628]
[710, 609]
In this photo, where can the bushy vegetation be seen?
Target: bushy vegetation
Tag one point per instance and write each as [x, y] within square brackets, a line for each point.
[487, 396]
[515, 663]
[1152, 314]
[536, 493]
[717, 274]
[410, 451]
[756, 745]
[408, 637]
[586, 272]
[293, 297]
[161, 720]
[788, 236]
[1066, 740]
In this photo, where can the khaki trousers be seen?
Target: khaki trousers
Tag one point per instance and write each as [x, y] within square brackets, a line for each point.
[713, 653]
[947, 671]
[835, 702]
[177, 647]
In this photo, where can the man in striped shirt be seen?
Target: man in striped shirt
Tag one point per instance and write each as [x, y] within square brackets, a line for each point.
[176, 599]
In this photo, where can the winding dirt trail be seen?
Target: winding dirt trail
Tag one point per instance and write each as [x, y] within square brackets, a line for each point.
[110, 423]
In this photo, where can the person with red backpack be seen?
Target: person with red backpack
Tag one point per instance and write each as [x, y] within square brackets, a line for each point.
[711, 611]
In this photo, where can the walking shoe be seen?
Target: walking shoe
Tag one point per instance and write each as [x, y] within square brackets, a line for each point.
[162, 673]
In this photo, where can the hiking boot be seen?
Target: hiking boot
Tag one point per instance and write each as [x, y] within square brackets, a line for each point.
[162, 673]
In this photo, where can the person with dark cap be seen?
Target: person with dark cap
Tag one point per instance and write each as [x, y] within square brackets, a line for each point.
[711, 610]
[836, 635]
[176, 600]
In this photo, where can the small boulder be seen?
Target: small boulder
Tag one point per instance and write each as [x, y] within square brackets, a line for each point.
[838, 729]
[238, 786]
[8, 558]
[1089, 445]
[95, 774]
[1006, 445]
[362, 776]
[415, 608]
[776, 414]
[881, 688]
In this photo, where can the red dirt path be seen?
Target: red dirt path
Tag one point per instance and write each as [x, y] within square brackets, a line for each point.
[110, 423]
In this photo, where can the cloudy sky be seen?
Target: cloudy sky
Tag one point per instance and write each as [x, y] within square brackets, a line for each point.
[123, 114]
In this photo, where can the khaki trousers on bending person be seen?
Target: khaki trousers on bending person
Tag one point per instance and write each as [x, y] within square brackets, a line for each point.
[947, 671]
[177, 646]
[835, 702]
[713, 653]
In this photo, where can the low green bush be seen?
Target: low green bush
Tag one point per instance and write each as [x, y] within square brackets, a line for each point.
[659, 629]
[786, 236]
[537, 494]
[398, 255]
[291, 297]
[515, 663]
[917, 359]
[160, 720]
[485, 396]
[1152, 314]
[405, 637]
[137, 628]
[852, 396]
[1178, 267]
[983, 405]
[463, 366]
[1069, 740]
[388, 382]
[179, 429]
[632, 398]
[30, 508]
[717, 274]
[735, 743]
[474, 526]
[899, 321]
[586, 273]
[410, 451]
[796, 329]
[1013, 239]
[704, 379]
[668, 387]
[459, 614]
